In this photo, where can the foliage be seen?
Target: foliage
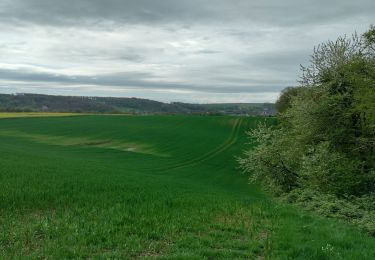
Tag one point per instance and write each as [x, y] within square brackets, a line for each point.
[268, 163]
[285, 98]
[329, 171]
[325, 137]
[369, 37]
[359, 211]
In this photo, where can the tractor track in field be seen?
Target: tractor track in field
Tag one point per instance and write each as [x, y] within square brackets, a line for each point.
[211, 154]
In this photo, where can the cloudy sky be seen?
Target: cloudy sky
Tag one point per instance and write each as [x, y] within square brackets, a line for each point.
[169, 50]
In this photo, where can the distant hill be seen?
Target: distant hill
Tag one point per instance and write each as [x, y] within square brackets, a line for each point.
[23, 102]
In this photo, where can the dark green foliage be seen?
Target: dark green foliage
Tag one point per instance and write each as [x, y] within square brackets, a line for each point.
[325, 137]
[285, 99]
[357, 210]
[370, 36]
[329, 172]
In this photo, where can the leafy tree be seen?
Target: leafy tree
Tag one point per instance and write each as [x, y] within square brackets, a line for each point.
[284, 101]
[325, 136]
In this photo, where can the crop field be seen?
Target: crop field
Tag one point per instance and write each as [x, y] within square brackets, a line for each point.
[32, 114]
[146, 187]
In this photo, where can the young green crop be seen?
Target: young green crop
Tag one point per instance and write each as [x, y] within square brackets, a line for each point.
[148, 187]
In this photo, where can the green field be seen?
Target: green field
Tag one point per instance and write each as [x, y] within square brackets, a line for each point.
[33, 114]
[148, 187]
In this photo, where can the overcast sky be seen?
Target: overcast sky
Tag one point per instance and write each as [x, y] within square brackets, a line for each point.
[200, 51]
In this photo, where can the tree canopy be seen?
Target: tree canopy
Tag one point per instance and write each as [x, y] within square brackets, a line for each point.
[324, 140]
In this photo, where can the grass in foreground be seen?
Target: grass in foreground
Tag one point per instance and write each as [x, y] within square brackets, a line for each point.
[148, 187]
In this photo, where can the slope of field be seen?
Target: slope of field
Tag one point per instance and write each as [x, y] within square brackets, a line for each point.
[148, 187]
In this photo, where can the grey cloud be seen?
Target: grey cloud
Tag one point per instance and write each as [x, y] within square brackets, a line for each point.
[213, 48]
[129, 57]
[34, 76]
[278, 60]
[94, 12]
[135, 80]
[207, 51]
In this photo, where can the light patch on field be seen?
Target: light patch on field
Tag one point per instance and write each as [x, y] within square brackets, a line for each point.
[87, 142]
[34, 114]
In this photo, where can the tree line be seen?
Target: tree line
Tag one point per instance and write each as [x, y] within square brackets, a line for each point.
[320, 153]
[25, 102]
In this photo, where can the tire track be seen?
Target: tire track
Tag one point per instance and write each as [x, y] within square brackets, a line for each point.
[224, 146]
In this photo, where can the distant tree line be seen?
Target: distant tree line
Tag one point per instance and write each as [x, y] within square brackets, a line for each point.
[76, 104]
[321, 151]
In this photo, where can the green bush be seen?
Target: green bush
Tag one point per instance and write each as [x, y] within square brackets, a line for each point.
[324, 142]
[359, 211]
[329, 171]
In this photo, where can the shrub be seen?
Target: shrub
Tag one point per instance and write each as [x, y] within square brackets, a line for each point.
[324, 142]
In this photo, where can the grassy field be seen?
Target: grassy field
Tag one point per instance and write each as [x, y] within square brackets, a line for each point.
[148, 187]
[33, 114]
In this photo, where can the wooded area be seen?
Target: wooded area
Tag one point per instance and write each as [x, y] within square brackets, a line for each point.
[321, 153]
